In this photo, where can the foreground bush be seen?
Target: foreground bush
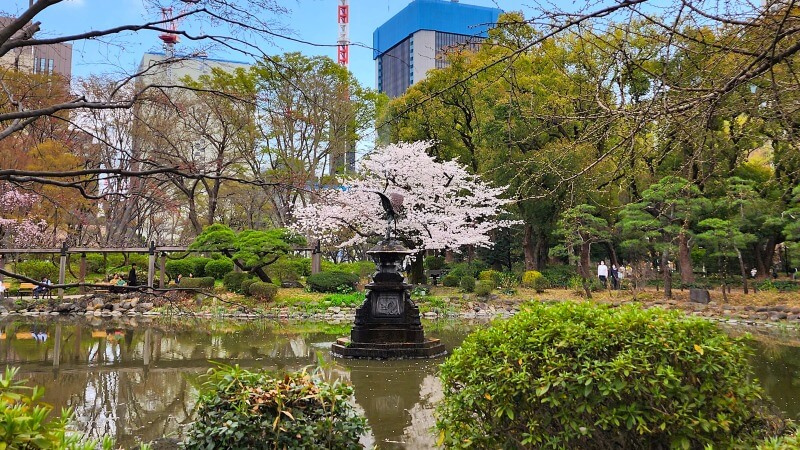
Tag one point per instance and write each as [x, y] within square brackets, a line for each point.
[484, 287]
[38, 269]
[332, 282]
[467, 283]
[239, 409]
[175, 267]
[25, 422]
[582, 376]
[450, 281]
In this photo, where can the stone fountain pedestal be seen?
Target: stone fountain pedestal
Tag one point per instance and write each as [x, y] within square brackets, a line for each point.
[387, 324]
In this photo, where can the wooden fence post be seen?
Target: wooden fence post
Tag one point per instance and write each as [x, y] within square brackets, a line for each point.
[62, 269]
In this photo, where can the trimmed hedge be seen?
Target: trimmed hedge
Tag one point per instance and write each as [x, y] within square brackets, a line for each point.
[38, 269]
[559, 276]
[490, 275]
[262, 291]
[217, 268]
[572, 375]
[233, 281]
[332, 282]
[245, 286]
[174, 267]
[198, 265]
[199, 283]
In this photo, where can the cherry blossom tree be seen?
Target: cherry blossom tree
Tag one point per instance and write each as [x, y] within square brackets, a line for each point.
[444, 207]
[16, 228]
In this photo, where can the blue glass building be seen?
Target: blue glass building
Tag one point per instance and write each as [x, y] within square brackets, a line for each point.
[413, 41]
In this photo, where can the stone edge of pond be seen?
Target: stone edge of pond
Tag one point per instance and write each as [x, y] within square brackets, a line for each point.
[133, 306]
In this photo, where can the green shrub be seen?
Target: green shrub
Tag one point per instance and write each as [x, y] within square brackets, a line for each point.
[95, 263]
[288, 268]
[791, 442]
[262, 291]
[240, 409]
[450, 280]
[38, 269]
[198, 283]
[559, 276]
[777, 285]
[509, 282]
[233, 281]
[467, 283]
[245, 285]
[463, 269]
[490, 275]
[572, 375]
[173, 267]
[24, 421]
[332, 282]
[534, 280]
[434, 262]
[198, 265]
[217, 268]
[484, 287]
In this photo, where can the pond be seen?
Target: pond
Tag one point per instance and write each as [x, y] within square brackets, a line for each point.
[134, 380]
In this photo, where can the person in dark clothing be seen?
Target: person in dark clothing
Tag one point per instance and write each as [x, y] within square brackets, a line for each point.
[132, 276]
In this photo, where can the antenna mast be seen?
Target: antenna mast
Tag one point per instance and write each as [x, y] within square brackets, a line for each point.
[170, 38]
[343, 18]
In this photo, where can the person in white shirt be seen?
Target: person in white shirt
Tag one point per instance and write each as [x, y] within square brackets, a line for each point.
[602, 273]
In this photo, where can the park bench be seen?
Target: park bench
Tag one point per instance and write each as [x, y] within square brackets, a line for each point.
[29, 287]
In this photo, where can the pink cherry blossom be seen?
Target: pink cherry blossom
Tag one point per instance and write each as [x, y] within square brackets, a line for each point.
[443, 206]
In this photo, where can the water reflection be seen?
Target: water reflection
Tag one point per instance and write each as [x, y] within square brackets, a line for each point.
[135, 380]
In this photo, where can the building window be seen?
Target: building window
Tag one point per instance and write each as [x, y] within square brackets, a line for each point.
[50, 65]
[42, 65]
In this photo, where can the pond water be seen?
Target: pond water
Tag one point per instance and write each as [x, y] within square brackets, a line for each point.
[135, 380]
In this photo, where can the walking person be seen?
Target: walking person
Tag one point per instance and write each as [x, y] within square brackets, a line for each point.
[602, 273]
[614, 277]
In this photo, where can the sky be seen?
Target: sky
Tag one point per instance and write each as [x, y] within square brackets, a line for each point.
[308, 20]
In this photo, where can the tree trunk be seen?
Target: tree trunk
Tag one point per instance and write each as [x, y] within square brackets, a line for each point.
[261, 274]
[528, 248]
[418, 268]
[584, 270]
[685, 259]
[742, 269]
[667, 274]
[612, 254]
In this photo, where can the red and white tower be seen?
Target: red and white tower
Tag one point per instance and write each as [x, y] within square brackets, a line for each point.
[170, 38]
[343, 18]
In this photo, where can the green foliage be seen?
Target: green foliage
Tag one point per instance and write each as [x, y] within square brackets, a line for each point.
[484, 287]
[572, 375]
[245, 285]
[559, 276]
[491, 276]
[451, 280]
[791, 442]
[240, 409]
[198, 283]
[331, 282]
[251, 249]
[360, 268]
[467, 283]
[173, 267]
[233, 281]
[434, 262]
[198, 265]
[508, 283]
[778, 285]
[344, 300]
[463, 269]
[37, 269]
[25, 422]
[534, 279]
[289, 268]
[262, 291]
[217, 268]
[95, 263]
